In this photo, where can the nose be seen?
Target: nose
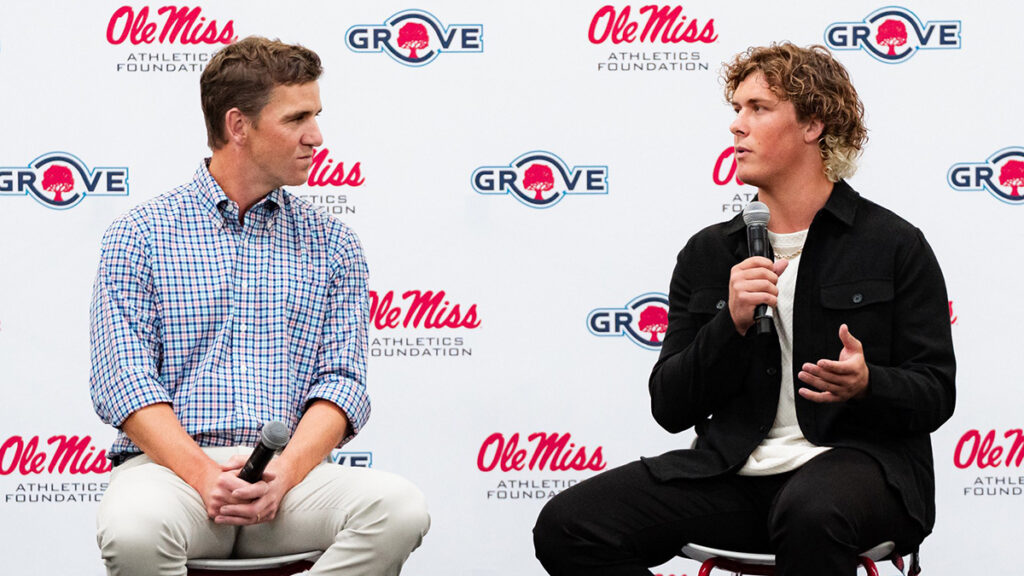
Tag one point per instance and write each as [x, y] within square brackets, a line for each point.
[313, 137]
[739, 124]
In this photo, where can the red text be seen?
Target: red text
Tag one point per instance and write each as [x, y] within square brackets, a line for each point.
[973, 449]
[182, 25]
[665, 21]
[725, 156]
[553, 452]
[427, 309]
[70, 454]
[321, 174]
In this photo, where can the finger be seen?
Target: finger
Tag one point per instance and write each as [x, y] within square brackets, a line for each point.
[838, 369]
[240, 510]
[755, 262]
[815, 381]
[780, 266]
[234, 520]
[251, 491]
[848, 340]
[819, 397]
[233, 463]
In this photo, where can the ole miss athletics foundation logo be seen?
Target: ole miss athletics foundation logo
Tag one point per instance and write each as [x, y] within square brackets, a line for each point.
[1001, 175]
[893, 35]
[60, 180]
[540, 179]
[415, 37]
[643, 320]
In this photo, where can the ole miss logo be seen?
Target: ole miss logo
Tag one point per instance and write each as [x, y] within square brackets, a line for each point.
[1001, 175]
[415, 37]
[540, 179]
[893, 35]
[60, 180]
[643, 320]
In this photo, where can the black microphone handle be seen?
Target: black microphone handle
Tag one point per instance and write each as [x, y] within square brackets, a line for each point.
[757, 242]
[253, 470]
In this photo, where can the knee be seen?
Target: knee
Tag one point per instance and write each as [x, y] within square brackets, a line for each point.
[136, 532]
[403, 512]
[552, 534]
[807, 520]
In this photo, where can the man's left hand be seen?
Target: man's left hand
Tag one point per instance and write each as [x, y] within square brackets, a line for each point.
[262, 500]
[837, 380]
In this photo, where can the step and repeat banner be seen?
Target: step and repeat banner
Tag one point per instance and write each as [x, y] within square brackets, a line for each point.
[522, 175]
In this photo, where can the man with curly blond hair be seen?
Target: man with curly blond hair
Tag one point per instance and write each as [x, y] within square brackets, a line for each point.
[812, 441]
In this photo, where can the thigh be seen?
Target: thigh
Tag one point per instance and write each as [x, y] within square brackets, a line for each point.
[844, 491]
[628, 511]
[329, 500]
[147, 506]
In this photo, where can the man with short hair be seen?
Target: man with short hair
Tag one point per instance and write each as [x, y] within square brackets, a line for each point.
[225, 304]
[812, 440]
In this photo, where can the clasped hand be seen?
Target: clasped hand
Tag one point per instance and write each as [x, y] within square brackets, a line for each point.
[231, 500]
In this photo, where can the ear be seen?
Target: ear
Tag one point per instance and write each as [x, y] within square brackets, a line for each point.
[236, 125]
[813, 130]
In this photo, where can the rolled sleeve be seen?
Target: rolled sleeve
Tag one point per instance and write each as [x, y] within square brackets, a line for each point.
[124, 329]
[341, 362]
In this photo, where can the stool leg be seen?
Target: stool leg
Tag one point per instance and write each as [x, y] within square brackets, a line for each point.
[869, 566]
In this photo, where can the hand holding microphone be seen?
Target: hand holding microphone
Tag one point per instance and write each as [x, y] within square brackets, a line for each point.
[752, 283]
[273, 437]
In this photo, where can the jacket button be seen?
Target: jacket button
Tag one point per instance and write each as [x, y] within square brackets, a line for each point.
[720, 304]
[858, 298]
[772, 371]
[763, 428]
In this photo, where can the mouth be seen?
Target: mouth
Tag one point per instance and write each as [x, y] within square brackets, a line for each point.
[741, 151]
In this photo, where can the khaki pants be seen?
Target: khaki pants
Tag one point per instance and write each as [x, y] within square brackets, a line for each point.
[366, 521]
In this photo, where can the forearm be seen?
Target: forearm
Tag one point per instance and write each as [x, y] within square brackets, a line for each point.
[156, 430]
[321, 428]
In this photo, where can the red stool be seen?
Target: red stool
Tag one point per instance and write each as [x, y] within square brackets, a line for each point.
[275, 566]
[764, 564]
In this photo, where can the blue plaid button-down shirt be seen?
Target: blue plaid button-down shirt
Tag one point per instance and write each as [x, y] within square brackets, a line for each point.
[234, 325]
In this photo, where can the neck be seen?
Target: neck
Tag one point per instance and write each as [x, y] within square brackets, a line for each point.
[238, 185]
[794, 204]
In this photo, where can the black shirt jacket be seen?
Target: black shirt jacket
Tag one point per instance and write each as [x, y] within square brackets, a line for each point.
[861, 265]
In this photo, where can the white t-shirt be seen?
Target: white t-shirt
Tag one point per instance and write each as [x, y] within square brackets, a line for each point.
[785, 448]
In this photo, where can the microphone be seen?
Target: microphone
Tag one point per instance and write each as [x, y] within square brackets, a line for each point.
[273, 437]
[756, 216]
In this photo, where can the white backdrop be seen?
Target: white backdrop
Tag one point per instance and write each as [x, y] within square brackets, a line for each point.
[537, 288]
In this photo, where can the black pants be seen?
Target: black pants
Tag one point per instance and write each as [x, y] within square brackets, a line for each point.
[816, 520]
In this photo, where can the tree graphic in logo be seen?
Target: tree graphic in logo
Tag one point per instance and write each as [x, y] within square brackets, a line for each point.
[540, 179]
[892, 33]
[654, 319]
[1012, 174]
[412, 37]
[58, 180]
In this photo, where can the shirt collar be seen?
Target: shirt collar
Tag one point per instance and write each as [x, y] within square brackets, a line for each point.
[841, 203]
[213, 199]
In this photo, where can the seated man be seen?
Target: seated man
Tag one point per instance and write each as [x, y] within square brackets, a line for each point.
[813, 439]
[222, 305]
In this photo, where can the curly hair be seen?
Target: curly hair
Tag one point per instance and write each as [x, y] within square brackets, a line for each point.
[819, 88]
[242, 75]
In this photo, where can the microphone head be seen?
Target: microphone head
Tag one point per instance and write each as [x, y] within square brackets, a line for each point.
[274, 435]
[756, 213]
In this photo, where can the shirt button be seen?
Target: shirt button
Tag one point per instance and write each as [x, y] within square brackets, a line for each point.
[720, 304]
[858, 298]
[243, 327]
[772, 371]
[242, 368]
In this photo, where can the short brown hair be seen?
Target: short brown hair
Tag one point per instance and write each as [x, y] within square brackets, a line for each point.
[819, 88]
[241, 75]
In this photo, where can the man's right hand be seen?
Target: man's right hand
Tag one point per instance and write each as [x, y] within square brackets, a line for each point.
[218, 485]
[752, 282]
